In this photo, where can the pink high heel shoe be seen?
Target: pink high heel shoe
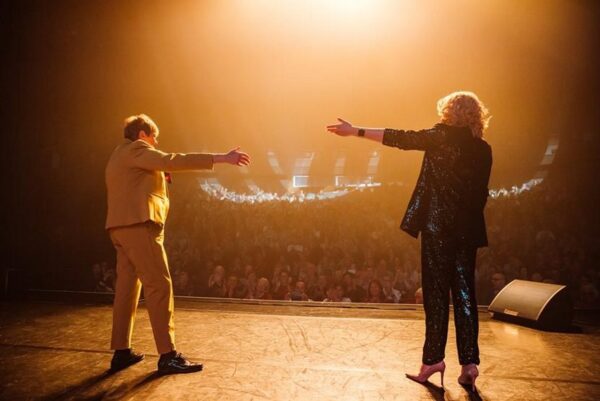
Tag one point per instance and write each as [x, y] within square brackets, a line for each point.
[468, 375]
[427, 371]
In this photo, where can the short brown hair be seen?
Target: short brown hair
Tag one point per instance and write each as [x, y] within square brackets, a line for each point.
[137, 123]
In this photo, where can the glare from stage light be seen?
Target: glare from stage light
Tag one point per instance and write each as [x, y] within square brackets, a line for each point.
[515, 190]
[356, 9]
[216, 190]
[213, 188]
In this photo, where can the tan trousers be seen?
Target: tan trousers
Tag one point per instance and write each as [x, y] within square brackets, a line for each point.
[141, 257]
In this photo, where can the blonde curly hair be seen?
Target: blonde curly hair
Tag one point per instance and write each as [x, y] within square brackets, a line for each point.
[464, 109]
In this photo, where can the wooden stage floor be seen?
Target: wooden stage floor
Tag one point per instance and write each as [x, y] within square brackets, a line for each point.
[265, 352]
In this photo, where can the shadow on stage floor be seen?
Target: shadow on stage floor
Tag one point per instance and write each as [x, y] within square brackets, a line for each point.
[59, 351]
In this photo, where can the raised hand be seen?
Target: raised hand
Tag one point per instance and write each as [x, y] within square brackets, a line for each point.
[343, 128]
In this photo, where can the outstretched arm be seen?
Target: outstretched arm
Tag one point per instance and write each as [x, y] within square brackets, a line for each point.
[402, 139]
[344, 128]
[149, 158]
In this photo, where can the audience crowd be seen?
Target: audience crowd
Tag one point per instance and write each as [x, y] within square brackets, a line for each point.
[350, 249]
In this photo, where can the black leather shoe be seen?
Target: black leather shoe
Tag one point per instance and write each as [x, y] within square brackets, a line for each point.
[174, 362]
[122, 359]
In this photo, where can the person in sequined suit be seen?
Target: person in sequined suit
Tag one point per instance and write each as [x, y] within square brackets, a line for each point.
[446, 208]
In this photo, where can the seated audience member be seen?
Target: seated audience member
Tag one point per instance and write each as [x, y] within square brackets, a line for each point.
[182, 285]
[235, 289]
[375, 294]
[351, 289]
[498, 283]
[216, 283]
[249, 283]
[283, 289]
[299, 292]
[108, 278]
[335, 294]
[318, 291]
[262, 289]
[391, 294]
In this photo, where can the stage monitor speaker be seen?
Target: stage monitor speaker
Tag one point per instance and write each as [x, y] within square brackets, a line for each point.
[539, 305]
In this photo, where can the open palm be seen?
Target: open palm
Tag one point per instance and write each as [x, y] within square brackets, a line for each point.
[343, 128]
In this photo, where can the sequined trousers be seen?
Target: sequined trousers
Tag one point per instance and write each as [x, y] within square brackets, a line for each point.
[448, 265]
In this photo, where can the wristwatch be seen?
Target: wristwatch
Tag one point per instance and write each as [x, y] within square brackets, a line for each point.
[361, 132]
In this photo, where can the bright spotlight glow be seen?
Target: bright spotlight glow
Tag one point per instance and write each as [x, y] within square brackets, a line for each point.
[355, 9]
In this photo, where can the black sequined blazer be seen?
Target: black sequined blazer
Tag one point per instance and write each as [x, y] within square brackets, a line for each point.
[452, 188]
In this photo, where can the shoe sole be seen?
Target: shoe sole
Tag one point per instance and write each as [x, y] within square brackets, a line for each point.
[176, 372]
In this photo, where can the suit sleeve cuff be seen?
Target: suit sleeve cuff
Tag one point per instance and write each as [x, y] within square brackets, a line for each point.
[211, 162]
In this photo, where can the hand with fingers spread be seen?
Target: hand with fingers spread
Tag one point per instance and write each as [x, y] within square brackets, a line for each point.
[234, 157]
[343, 128]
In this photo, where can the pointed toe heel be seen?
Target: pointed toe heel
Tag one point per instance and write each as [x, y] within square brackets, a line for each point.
[428, 370]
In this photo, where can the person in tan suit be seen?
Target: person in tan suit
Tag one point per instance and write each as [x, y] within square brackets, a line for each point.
[138, 205]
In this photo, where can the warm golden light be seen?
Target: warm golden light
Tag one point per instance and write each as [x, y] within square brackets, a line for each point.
[269, 75]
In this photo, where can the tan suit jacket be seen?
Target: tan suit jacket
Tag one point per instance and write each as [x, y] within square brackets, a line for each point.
[136, 185]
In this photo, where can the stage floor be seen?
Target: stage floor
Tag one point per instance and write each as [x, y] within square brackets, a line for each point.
[263, 352]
